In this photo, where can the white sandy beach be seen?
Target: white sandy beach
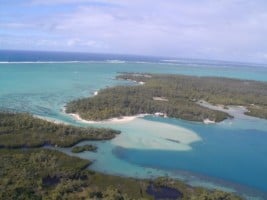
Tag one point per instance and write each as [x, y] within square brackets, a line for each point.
[123, 119]
[208, 121]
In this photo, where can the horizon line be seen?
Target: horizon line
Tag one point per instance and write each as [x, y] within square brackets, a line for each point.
[162, 58]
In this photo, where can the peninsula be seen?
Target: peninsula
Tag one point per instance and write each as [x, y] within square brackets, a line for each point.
[23, 130]
[174, 96]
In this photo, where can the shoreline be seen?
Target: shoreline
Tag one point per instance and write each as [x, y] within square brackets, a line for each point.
[236, 111]
[114, 120]
[208, 121]
[51, 120]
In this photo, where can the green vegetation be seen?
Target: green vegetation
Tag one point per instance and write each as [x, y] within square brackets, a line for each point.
[174, 95]
[33, 174]
[43, 174]
[37, 173]
[48, 174]
[23, 130]
[194, 193]
[87, 147]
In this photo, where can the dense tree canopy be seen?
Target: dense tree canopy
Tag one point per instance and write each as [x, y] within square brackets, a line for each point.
[174, 95]
[48, 174]
[24, 130]
[87, 147]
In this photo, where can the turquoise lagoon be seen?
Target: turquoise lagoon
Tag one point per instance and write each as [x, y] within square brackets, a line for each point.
[230, 155]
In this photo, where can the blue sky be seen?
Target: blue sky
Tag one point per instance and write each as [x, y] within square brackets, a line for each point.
[208, 29]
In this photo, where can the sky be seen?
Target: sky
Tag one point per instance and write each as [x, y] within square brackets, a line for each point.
[233, 30]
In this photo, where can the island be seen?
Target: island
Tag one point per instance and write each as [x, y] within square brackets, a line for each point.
[29, 171]
[176, 96]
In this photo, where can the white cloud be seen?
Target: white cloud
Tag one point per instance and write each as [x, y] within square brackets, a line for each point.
[223, 29]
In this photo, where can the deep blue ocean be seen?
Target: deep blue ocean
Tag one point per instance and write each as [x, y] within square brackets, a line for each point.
[230, 155]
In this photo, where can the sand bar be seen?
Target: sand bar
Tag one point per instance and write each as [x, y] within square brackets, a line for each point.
[152, 135]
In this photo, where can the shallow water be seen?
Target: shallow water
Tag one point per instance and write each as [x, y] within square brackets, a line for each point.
[229, 155]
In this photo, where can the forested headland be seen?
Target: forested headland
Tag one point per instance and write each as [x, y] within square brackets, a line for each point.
[24, 130]
[173, 95]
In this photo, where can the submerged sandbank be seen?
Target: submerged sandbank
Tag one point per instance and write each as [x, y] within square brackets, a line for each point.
[145, 134]
[139, 133]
